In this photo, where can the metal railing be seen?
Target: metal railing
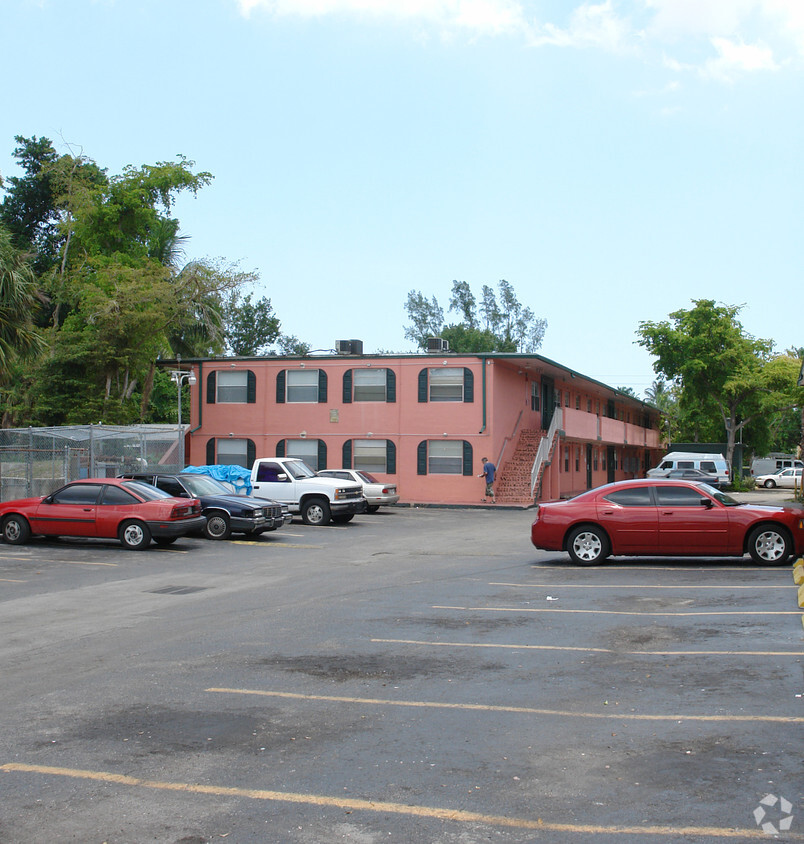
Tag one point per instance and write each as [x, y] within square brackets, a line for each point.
[545, 445]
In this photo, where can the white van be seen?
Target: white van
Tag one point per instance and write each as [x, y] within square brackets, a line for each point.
[712, 464]
[774, 462]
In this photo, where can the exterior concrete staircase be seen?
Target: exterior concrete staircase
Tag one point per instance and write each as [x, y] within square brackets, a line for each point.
[513, 480]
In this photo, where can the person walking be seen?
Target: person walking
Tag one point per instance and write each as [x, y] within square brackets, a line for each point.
[489, 471]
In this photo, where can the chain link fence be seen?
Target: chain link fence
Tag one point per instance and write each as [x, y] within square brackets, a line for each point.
[36, 461]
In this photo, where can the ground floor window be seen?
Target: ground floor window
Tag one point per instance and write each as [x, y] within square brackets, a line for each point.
[445, 457]
[370, 455]
[231, 451]
[307, 450]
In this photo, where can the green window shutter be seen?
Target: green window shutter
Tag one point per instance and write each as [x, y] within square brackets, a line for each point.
[322, 386]
[280, 386]
[468, 464]
[211, 452]
[390, 386]
[347, 386]
[390, 457]
[347, 454]
[211, 388]
[421, 458]
[322, 454]
[423, 386]
[280, 448]
[251, 389]
[251, 453]
[468, 385]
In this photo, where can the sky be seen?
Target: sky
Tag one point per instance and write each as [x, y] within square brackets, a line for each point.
[614, 161]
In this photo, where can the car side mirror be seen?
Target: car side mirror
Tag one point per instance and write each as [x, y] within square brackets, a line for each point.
[708, 503]
[281, 476]
[47, 499]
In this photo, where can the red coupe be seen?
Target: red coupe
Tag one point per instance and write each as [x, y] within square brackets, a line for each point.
[656, 517]
[107, 508]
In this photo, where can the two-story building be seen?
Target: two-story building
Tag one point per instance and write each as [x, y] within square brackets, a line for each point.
[424, 421]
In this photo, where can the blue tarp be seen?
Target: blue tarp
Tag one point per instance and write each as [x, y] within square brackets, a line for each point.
[237, 476]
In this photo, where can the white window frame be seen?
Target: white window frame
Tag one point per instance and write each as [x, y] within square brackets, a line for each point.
[369, 384]
[231, 387]
[228, 451]
[442, 455]
[304, 449]
[305, 390]
[446, 384]
[370, 455]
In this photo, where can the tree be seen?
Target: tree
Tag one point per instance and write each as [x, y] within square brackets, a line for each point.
[724, 377]
[504, 324]
[250, 327]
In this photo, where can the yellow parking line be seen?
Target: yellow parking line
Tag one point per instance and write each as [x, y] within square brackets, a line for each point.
[9, 580]
[515, 647]
[367, 805]
[631, 586]
[82, 563]
[618, 612]
[274, 544]
[519, 710]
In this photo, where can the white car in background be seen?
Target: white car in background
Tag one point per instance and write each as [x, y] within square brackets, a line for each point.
[784, 478]
[376, 493]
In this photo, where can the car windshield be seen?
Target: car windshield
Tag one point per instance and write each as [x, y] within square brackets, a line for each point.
[198, 485]
[722, 497]
[369, 479]
[146, 491]
[299, 469]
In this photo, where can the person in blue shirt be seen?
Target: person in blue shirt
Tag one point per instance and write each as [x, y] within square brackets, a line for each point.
[489, 470]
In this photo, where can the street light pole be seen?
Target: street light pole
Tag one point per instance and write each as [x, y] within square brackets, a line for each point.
[179, 377]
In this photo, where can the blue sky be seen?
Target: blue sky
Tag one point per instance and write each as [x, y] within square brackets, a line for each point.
[612, 160]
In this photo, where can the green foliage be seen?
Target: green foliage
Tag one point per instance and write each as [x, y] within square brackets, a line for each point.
[250, 326]
[722, 378]
[503, 324]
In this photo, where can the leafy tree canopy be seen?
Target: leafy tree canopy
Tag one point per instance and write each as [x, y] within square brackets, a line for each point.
[499, 323]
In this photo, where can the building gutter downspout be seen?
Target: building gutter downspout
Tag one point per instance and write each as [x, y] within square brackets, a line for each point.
[200, 402]
[483, 363]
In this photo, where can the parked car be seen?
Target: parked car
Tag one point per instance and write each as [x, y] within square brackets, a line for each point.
[663, 517]
[108, 508]
[695, 475]
[226, 513]
[784, 478]
[774, 462]
[375, 492]
[713, 464]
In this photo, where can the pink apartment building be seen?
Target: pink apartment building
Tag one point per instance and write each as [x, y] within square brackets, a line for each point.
[425, 421]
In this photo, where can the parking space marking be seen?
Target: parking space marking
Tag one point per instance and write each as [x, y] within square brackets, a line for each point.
[618, 612]
[634, 586]
[520, 710]
[9, 580]
[367, 805]
[515, 647]
[273, 544]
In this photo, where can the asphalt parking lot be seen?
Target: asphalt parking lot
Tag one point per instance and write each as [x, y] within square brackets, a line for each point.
[420, 675]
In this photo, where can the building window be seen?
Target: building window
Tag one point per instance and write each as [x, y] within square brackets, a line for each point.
[231, 386]
[534, 395]
[566, 458]
[578, 460]
[307, 450]
[231, 451]
[445, 457]
[446, 384]
[567, 399]
[370, 455]
[589, 405]
[595, 459]
[369, 384]
[302, 385]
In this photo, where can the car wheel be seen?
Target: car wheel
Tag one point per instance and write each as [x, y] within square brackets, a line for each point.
[770, 484]
[588, 545]
[769, 546]
[372, 508]
[165, 540]
[315, 511]
[16, 530]
[217, 526]
[134, 535]
[342, 520]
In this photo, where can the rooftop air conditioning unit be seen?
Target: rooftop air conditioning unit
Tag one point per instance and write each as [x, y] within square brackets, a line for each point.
[436, 344]
[349, 347]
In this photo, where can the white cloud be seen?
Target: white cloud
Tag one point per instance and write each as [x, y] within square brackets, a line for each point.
[591, 25]
[736, 58]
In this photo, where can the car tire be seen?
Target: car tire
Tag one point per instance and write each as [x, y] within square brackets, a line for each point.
[769, 545]
[165, 540]
[588, 545]
[134, 535]
[315, 511]
[372, 508]
[218, 525]
[16, 530]
[342, 520]
[769, 484]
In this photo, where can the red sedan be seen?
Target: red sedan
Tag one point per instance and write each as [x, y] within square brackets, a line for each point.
[656, 517]
[107, 508]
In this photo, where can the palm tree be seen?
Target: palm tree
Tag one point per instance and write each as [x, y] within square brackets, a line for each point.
[19, 297]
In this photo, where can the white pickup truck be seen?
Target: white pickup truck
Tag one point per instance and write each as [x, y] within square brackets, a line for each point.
[318, 500]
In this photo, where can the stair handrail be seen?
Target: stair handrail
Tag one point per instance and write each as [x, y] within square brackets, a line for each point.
[545, 446]
[506, 440]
